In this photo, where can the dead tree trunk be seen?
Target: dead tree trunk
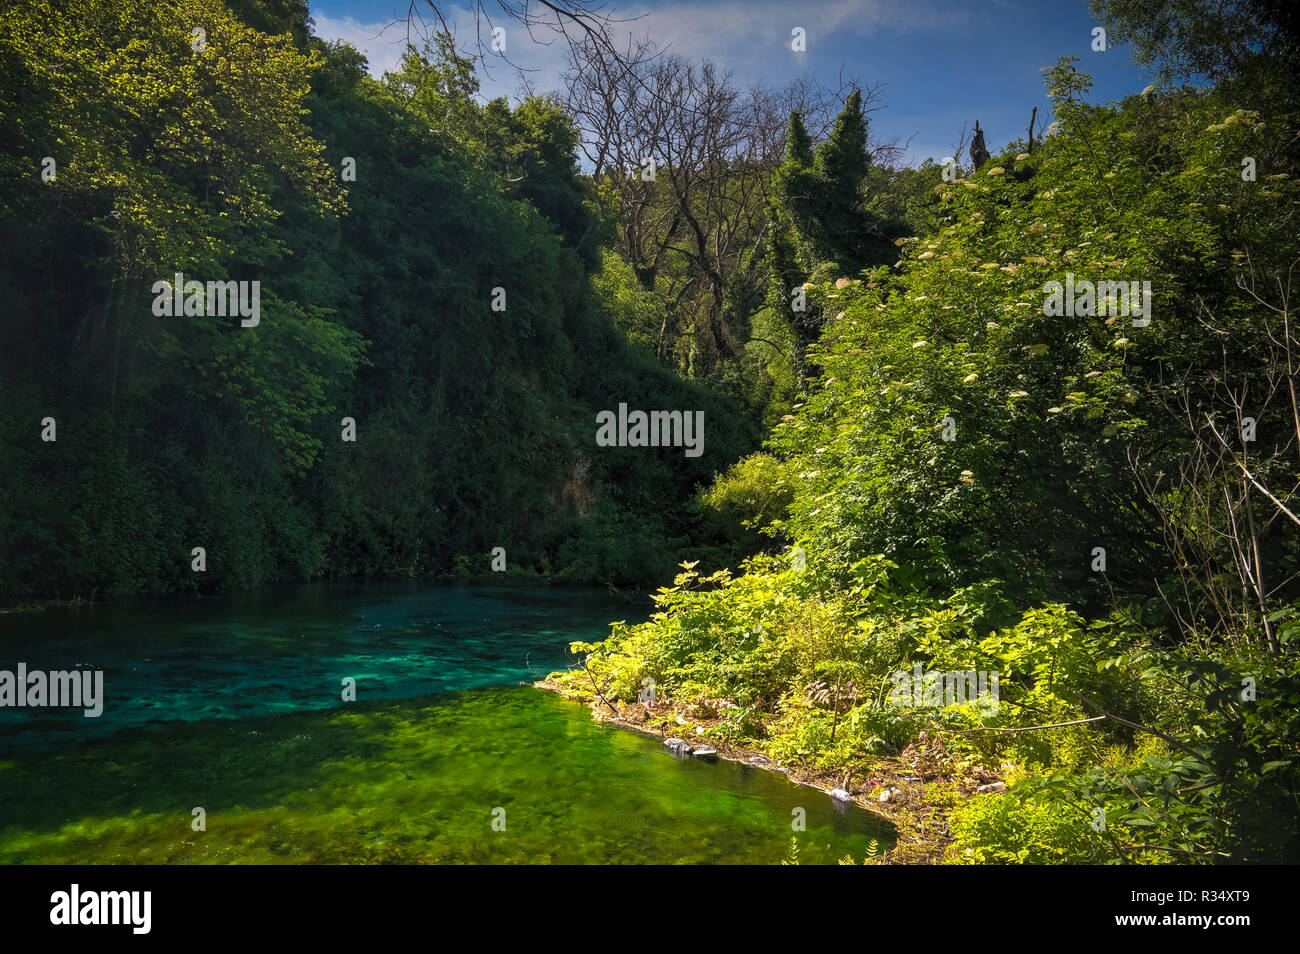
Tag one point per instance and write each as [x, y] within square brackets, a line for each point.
[978, 154]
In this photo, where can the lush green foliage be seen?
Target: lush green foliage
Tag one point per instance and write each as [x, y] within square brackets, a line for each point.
[964, 452]
[475, 428]
[963, 474]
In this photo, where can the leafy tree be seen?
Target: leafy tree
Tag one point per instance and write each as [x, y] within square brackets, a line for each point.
[1190, 38]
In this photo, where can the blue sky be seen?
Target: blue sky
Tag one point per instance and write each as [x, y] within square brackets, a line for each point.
[942, 62]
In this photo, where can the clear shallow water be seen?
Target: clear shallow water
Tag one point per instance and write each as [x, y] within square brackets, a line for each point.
[288, 648]
[247, 723]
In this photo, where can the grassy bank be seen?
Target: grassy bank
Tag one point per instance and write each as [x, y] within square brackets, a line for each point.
[1096, 747]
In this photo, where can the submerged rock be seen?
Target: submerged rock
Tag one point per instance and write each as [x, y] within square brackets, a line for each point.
[678, 747]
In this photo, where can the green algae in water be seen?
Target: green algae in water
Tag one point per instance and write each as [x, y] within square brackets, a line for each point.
[415, 781]
[220, 705]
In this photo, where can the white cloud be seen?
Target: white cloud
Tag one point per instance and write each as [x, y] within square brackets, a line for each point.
[743, 36]
[382, 43]
[749, 33]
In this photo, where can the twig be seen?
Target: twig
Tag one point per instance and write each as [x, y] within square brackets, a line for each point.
[596, 687]
[1182, 851]
[1029, 728]
[1146, 728]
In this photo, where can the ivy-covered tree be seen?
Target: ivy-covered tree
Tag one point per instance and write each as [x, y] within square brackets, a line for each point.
[820, 190]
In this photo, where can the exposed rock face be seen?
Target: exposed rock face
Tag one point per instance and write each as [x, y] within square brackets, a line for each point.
[840, 795]
[709, 754]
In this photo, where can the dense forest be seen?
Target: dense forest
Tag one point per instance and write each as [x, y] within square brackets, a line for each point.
[379, 218]
[1031, 411]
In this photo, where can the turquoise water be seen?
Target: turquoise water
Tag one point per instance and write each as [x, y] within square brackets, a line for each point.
[287, 649]
[233, 706]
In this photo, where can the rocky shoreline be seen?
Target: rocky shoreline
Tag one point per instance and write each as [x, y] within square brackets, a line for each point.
[895, 788]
